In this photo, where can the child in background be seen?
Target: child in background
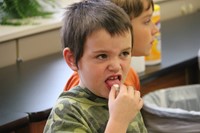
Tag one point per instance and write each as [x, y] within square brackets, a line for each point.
[98, 41]
[140, 13]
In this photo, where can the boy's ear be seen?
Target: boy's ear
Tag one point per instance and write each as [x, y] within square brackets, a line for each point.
[69, 58]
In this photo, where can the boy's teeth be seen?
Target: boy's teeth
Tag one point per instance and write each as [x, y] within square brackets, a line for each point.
[113, 77]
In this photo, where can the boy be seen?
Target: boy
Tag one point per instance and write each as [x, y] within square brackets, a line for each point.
[97, 39]
[140, 13]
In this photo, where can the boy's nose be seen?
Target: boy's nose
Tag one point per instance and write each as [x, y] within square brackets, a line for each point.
[155, 29]
[114, 65]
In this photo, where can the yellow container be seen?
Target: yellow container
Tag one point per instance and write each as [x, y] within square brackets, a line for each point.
[156, 55]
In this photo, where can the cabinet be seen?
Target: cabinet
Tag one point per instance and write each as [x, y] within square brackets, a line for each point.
[185, 75]
[37, 127]
[174, 78]
[38, 45]
[30, 47]
[7, 53]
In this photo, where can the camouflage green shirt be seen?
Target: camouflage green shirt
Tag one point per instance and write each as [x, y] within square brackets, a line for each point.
[80, 111]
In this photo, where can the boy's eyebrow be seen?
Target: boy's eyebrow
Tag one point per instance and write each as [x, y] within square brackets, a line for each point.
[104, 51]
[148, 15]
[129, 48]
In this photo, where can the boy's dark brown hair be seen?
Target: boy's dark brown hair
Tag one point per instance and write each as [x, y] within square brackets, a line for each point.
[133, 8]
[83, 18]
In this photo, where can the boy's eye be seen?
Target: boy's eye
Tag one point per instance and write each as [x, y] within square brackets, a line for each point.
[125, 54]
[147, 21]
[102, 56]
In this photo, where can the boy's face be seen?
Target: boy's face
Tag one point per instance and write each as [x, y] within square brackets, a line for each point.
[144, 32]
[105, 61]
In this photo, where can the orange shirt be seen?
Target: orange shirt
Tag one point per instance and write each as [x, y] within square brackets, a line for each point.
[132, 79]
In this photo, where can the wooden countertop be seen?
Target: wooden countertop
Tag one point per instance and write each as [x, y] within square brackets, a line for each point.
[32, 87]
[8, 33]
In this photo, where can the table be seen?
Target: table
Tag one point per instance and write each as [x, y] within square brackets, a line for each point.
[13, 121]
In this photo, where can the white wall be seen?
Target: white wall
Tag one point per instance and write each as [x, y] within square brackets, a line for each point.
[175, 8]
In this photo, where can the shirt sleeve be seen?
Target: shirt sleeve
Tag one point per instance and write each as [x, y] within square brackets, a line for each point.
[73, 81]
[132, 79]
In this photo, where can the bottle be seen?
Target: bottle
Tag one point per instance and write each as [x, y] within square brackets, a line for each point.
[155, 56]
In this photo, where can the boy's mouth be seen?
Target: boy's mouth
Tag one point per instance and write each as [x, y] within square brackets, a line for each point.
[110, 81]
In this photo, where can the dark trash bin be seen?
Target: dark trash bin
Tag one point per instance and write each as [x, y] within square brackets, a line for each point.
[173, 110]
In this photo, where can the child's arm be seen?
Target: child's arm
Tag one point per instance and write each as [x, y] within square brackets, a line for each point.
[122, 108]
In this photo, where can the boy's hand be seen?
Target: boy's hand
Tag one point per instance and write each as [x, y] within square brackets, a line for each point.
[124, 105]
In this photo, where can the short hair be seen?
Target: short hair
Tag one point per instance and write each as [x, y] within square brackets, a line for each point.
[133, 8]
[83, 18]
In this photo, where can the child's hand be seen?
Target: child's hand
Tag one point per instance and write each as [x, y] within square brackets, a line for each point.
[124, 106]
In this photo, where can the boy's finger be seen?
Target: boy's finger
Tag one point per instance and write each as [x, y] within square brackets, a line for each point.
[141, 103]
[123, 89]
[137, 94]
[131, 90]
[112, 93]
